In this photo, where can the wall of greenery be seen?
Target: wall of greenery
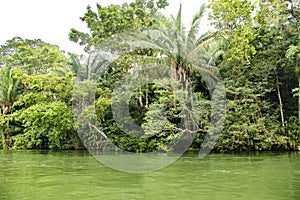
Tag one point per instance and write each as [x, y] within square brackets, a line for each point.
[254, 46]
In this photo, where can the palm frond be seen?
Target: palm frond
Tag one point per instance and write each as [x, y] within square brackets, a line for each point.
[8, 86]
[202, 45]
[179, 20]
[193, 32]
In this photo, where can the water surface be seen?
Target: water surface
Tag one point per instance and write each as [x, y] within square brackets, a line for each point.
[77, 175]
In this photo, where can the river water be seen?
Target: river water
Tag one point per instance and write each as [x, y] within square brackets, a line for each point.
[77, 175]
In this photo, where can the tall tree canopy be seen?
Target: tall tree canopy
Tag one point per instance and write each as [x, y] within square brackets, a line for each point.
[113, 19]
[36, 90]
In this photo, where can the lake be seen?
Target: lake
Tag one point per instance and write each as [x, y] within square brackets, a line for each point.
[78, 175]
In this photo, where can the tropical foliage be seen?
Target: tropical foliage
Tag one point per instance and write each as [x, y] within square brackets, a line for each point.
[169, 71]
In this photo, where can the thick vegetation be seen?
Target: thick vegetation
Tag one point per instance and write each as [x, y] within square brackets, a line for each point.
[255, 47]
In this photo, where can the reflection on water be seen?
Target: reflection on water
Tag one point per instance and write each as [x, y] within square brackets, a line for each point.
[77, 175]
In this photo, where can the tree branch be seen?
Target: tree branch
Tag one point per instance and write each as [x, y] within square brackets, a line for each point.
[99, 131]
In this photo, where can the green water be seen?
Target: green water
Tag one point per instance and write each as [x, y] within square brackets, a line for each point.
[77, 175]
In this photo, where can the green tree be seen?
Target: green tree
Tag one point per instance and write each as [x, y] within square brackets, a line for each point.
[44, 111]
[41, 116]
[257, 74]
[9, 88]
[102, 24]
[293, 53]
[233, 22]
[114, 19]
[278, 35]
[33, 56]
[187, 55]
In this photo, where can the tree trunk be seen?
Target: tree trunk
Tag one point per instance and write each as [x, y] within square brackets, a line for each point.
[147, 100]
[299, 99]
[4, 144]
[280, 103]
[140, 97]
[5, 132]
[173, 71]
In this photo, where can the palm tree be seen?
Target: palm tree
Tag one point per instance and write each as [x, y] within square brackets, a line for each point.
[186, 51]
[8, 95]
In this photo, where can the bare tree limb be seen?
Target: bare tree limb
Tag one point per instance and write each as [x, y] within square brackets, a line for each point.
[98, 130]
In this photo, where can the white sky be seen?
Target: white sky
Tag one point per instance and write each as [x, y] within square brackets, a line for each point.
[51, 20]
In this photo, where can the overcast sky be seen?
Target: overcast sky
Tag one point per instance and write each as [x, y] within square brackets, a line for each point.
[51, 20]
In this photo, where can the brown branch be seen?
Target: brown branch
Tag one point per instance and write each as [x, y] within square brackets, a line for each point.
[99, 131]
